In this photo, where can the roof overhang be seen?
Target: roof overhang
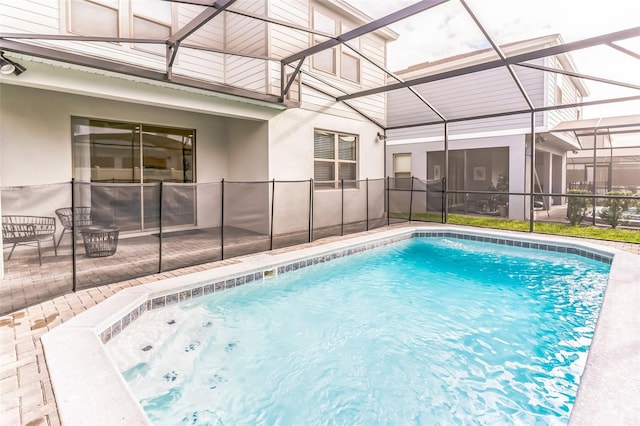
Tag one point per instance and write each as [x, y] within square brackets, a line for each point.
[600, 130]
[46, 74]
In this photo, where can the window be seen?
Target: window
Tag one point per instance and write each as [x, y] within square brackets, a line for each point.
[335, 159]
[151, 20]
[338, 59]
[107, 151]
[349, 62]
[134, 153]
[325, 60]
[139, 19]
[350, 67]
[103, 11]
[559, 81]
[402, 170]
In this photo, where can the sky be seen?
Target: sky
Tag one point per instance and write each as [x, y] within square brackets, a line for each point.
[447, 30]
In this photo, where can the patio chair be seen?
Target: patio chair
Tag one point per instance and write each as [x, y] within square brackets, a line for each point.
[83, 219]
[27, 230]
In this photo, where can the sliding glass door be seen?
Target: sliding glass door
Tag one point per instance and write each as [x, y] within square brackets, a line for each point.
[125, 161]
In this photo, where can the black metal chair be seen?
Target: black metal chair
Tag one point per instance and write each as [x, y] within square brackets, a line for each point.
[82, 218]
[28, 230]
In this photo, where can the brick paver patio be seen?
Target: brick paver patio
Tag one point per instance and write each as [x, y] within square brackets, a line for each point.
[25, 388]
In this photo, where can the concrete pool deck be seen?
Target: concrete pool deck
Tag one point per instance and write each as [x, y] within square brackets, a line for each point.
[611, 377]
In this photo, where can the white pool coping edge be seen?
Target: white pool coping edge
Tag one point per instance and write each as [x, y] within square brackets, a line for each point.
[90, 390]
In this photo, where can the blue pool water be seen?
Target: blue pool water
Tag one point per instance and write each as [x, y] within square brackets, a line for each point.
[426, 331]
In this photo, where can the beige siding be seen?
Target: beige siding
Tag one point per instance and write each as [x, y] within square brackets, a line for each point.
[209, 35]
[200, 64]
[19, 16]
[373, 47]
[569, 95]
[285, 42]
[248, 36]
[226, 32]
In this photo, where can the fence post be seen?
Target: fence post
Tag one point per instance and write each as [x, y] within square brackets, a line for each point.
[411, 199]
[341, 207]
[273, 197]
[160, 229]
[444, 215]
[222, 220]
[367, 200]
[388, 193]
[310, 209]
[74, 274]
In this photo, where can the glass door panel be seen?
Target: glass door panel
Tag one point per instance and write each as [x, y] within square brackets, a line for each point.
[135, 156]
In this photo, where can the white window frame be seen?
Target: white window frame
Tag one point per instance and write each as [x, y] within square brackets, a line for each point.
[125, 21]
[336, 161]
[338, 52]
[402, 177]
[133, 15]
[105, 5]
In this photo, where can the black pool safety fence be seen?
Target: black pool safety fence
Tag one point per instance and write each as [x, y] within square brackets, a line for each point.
[103, 233]
[60, 238]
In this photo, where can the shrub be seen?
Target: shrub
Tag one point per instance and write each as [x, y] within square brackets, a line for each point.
[613, 209]
[577, 207]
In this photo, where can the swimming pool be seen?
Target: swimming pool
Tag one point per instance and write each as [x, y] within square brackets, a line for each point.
[427, 330]
[89, 389]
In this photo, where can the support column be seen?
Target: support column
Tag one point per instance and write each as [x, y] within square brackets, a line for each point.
[532, 171]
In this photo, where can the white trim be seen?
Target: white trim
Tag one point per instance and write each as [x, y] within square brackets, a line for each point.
[74, 79]
[481, 135]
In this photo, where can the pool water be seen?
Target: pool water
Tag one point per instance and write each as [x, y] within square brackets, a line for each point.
[426, 331]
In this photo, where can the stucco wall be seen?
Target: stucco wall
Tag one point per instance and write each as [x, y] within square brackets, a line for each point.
[515, 143]
[291, 158]
[37, 147]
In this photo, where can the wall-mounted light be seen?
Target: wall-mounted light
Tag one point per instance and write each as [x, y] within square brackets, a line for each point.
[381, 137]
[9, 67]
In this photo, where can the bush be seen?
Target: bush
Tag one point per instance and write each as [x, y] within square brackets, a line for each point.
[613, 209]
[577, 207]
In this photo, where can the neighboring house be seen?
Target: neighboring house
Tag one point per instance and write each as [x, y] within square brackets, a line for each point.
[618, 169]
[616, 159]
[490, 152]
[100, 111]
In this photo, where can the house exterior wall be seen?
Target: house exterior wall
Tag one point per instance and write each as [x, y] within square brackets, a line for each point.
[488, 92]
[291, 157]
[228, 31]
[515, 143]
[569, 95]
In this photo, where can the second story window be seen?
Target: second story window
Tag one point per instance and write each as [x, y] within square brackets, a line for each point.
[334, 159]
[151, 20]
[122, 18]
[325, 60]
[340, 61]
[83, 16]
[559, 82]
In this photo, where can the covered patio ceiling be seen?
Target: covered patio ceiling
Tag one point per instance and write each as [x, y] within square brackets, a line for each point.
[624, 42]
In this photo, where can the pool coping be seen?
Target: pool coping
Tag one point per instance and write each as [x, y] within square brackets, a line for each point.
[87, 394]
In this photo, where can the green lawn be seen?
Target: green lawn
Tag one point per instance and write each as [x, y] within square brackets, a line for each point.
[596, 232]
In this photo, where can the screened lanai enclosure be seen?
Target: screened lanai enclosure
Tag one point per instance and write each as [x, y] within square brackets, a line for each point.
[472, 118]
